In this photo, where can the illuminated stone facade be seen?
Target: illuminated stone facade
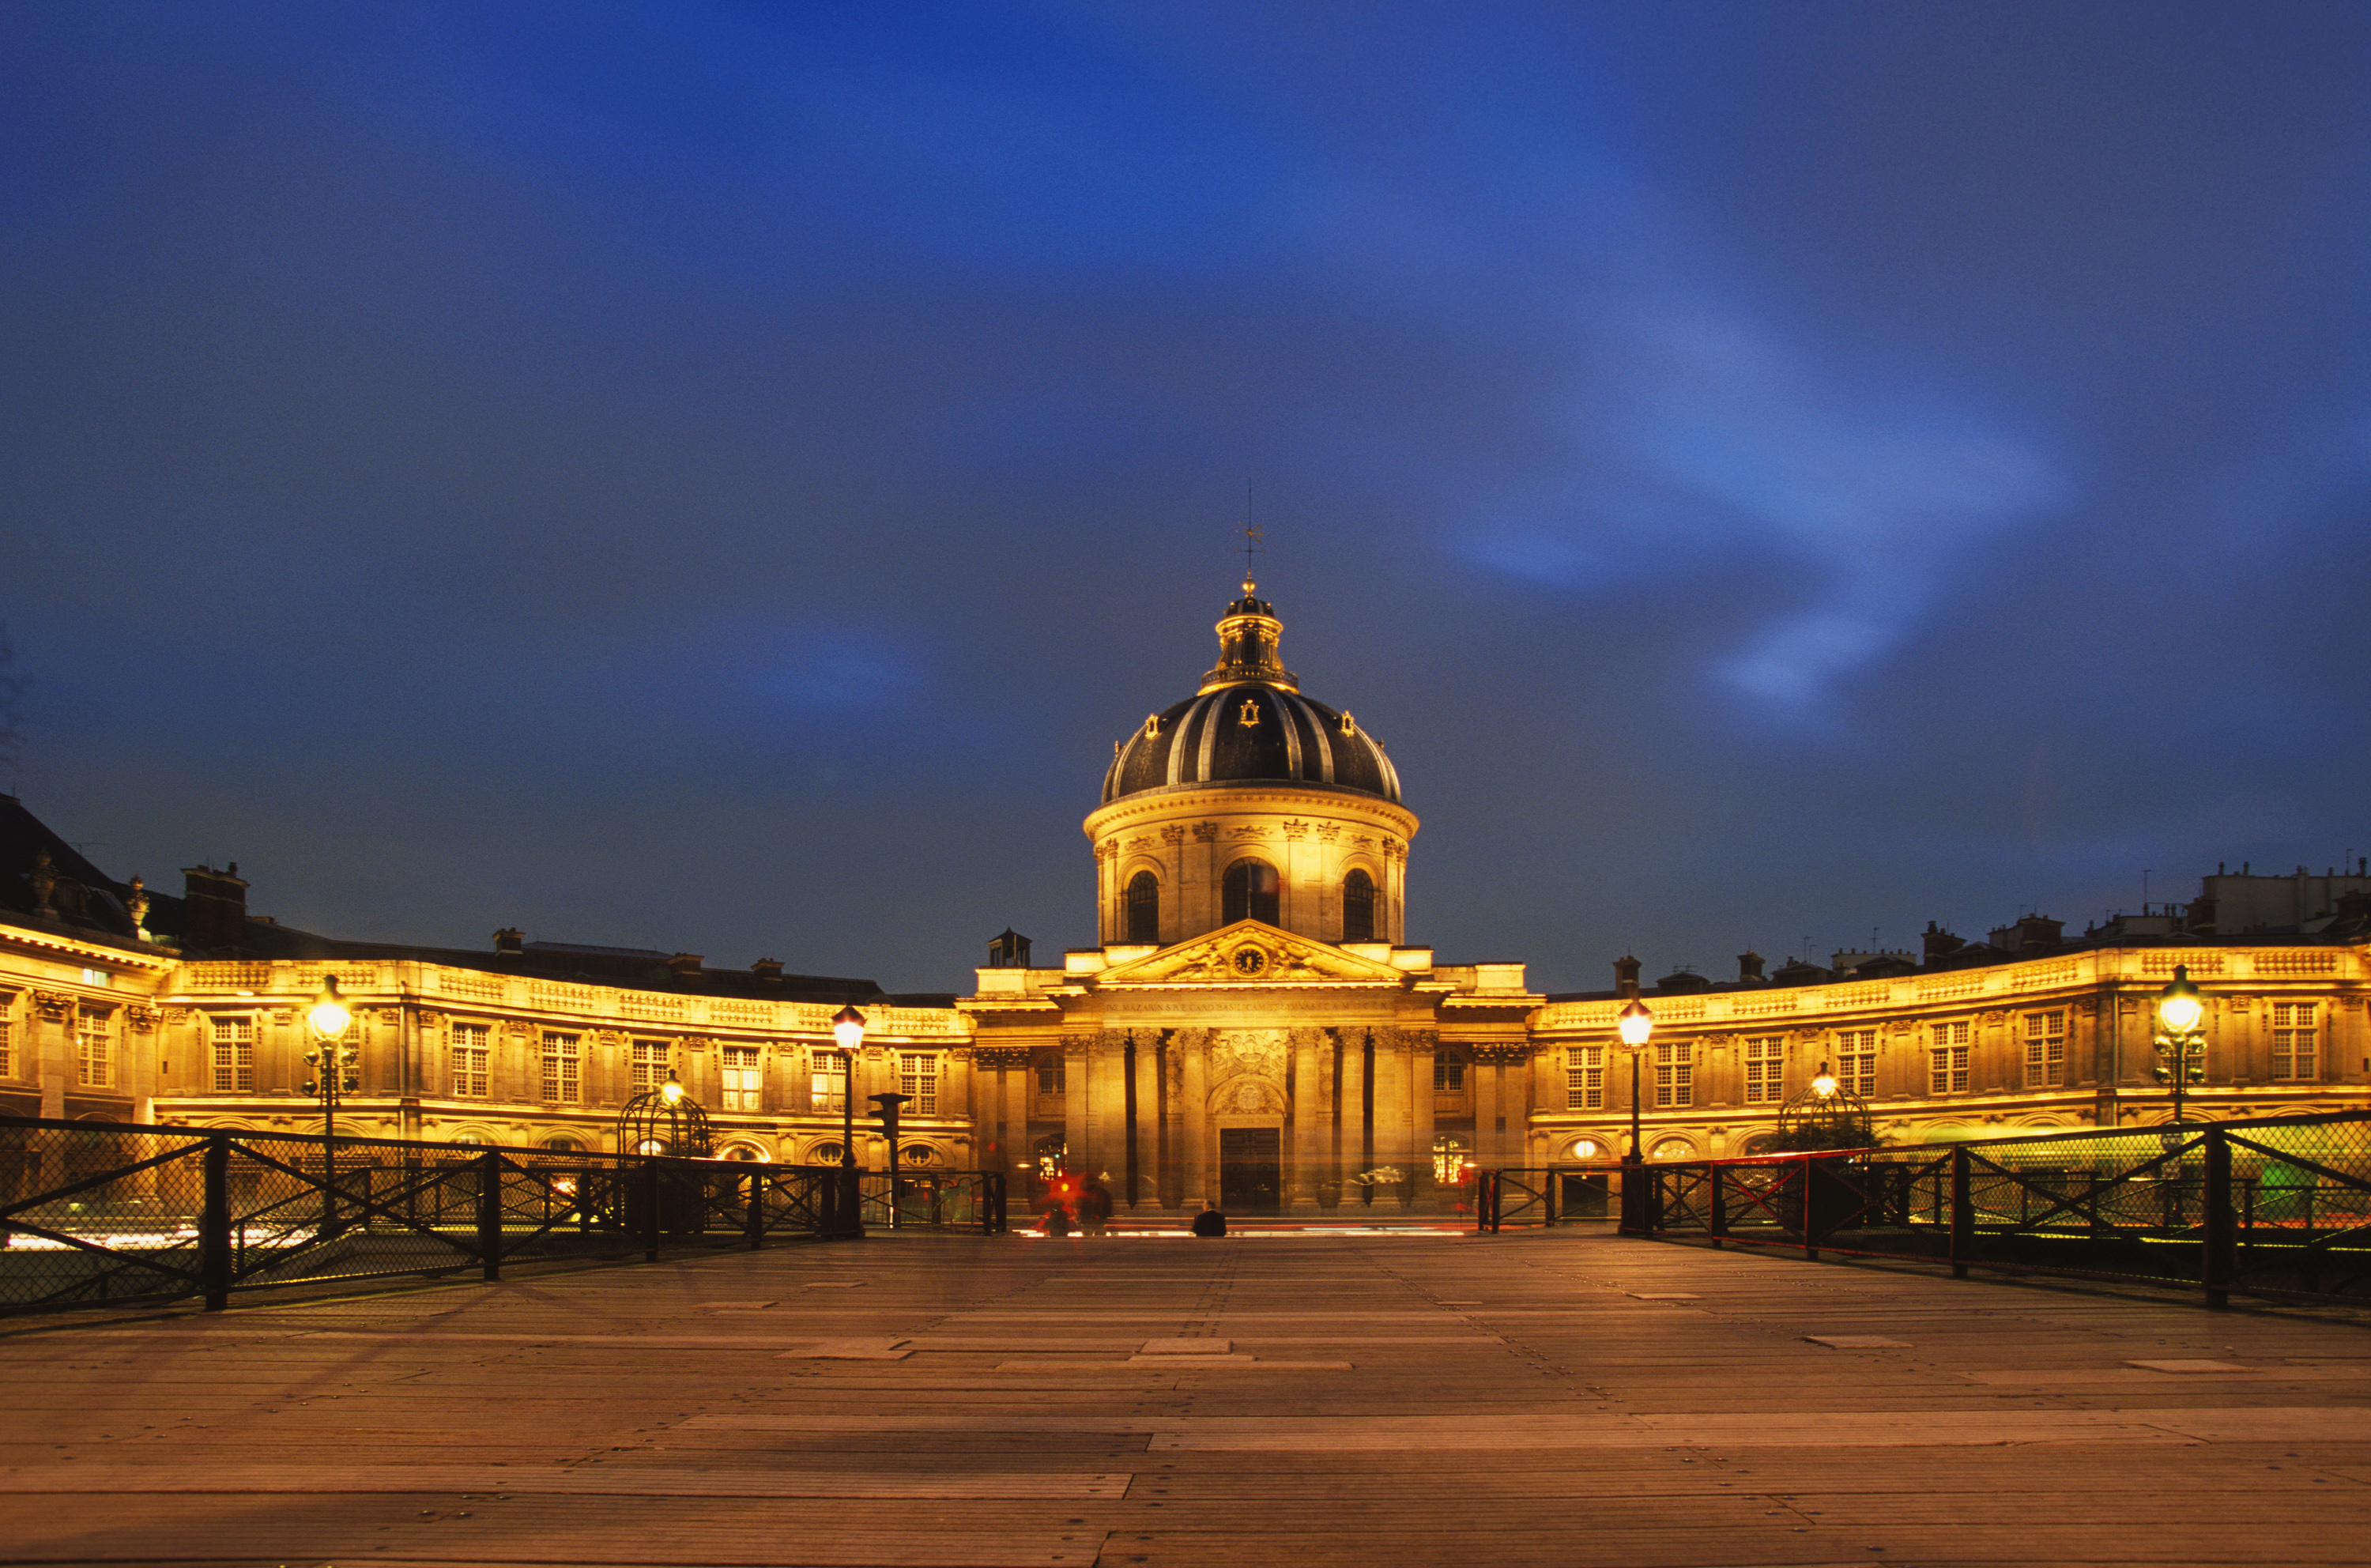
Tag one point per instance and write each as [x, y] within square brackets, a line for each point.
[1252, 1027]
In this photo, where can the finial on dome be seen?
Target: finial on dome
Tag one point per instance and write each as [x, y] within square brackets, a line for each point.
[1249, 586]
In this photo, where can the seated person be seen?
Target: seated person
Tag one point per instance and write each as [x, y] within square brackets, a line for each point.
[1209, 1222]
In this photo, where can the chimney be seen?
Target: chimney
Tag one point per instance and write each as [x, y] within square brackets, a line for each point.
[685, 967]
[768, 972]
[1749, 968]
[1940, 943]
[2036, 932]
[510, 942]
[2199, 919]
[1625, 976]
[213, 908]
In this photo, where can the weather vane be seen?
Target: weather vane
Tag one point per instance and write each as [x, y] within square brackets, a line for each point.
[1253, 543]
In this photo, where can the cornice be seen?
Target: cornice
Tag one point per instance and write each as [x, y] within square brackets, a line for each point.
[1185, 799]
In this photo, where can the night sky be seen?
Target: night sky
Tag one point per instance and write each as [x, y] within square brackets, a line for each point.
[720, 476]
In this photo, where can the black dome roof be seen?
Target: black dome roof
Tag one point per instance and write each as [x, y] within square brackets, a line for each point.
[1250, 724]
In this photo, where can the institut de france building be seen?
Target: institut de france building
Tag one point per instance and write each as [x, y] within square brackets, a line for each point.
[1254, 1027]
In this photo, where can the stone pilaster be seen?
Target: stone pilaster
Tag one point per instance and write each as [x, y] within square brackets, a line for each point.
[1305, 1123]
[1194, 1048]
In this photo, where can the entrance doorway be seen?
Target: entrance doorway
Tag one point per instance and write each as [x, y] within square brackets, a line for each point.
[1250, 1170]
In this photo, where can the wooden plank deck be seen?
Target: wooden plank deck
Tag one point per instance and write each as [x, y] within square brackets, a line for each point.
[1378, 1400]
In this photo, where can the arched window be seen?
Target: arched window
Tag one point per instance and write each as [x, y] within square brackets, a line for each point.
[1358, 907]
[1144, 907]
[824, 1154]
[1249, 892]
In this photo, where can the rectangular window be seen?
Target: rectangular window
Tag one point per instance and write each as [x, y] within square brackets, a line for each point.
[2045, 1049]
[918, 1075]
[234, 1055]
[1584, 1078]
[2297, 1054]
[1053, 1075]
[1949, 1058]
[562, 1062]
[1856, 1061]
[826, 1082]
[649, 1060]
[1675, 1074]
[1448, 1073]
[94, 1050]
[7, 1050]
[737, 1066]
[473, 1060]
[1765, 1070]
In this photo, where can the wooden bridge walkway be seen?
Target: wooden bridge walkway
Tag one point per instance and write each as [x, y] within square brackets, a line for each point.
[1356, 1398]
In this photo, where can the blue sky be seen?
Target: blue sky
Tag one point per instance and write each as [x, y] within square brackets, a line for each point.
[718, 476]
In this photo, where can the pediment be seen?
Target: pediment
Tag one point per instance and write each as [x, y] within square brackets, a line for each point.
[1250, 953]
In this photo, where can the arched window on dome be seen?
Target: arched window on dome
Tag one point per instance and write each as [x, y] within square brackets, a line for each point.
[1249, 892]
[1144, 907]
[1358, 907]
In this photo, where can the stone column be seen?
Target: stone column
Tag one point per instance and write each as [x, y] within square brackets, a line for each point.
[1192, 1047]
[1106, 1110]
[1423, 1044]
[1483, 1081]
[1012, 1112]
[1351, 1144]
[1307, 1123]
[1078, 1057]
[1394, 1118]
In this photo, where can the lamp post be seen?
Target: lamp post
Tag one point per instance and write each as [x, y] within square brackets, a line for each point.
[848, 1029]
[1634, 1025]
[332, 1061]
[2179, 1040]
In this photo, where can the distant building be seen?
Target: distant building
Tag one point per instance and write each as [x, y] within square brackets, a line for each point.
[1252, 1026]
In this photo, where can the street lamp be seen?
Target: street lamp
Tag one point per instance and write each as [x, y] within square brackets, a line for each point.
[1634, 1024]
[333, 1061]
[847, 1028]
[2179, 1039]
[1823, 1083]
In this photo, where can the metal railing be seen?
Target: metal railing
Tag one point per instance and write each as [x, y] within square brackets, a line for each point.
[2278, 1209]
[100, 1213]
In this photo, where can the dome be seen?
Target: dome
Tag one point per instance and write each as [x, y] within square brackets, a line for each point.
[1250, 724]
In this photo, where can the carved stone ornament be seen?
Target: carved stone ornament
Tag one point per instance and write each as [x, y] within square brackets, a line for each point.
[1143, 841]
[283, 1017]
[1001, 1056]
[1501, 1056]
[1295, 829]
[1077, 1044]
[142, 1016]
[609, 1040]
[175, 1017]
[1250, 830]
[54, 1003]
[1173, 834]
[694, 1042]
[1328, 832]
[1206, 833]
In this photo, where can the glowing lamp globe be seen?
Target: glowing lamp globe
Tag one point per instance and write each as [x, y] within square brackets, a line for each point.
[2179, 1007]
[847, 1028]
[330, 1015]
[1634, 1024]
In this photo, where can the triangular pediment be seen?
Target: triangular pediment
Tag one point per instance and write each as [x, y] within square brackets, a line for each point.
[1250, 953]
